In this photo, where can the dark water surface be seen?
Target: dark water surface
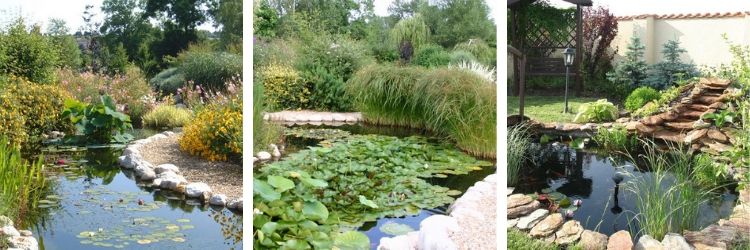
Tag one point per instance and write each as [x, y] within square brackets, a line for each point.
[588, 176]
[93, 204]
[454, 182]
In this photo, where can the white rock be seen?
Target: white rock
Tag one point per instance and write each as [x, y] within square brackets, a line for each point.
[142, 142]
[401, 242]
[275, 150]
[434, 233]
[168, 133]
[131, 150]
[255, 159]
[158, 137]
[218, 200]
[166, 168]
[512, 222]
[196, 189]
[527, 222]
[145, 172]
[264, 156]
[675, 241]
[646, 242]
[9, 231]
[240, 204]
[509, 191]
[24, 243]
[156, 182]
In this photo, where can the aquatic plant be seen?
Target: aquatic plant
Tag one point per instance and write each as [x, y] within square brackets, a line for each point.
[263, 133]
[372, 176]
[519, 142]
[97, 123]
[451, 102]
[168, 116]
[615, 139]
[287, 216]
[708, 173]
[599, 111]
[317, 133]
[21, 181]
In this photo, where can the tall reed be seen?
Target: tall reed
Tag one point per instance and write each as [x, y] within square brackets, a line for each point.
[263, 133]
[449, 101]
[519, 142]
[21, 182]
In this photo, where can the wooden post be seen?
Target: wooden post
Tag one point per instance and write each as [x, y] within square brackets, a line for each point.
[579, 50]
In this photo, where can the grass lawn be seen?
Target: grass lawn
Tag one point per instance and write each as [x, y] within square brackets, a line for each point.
[548, 108]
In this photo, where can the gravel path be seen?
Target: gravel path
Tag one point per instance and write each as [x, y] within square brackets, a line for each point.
[222, 177]
[476, 213]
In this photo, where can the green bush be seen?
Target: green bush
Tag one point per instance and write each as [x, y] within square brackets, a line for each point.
[27, 53]
[477, 47]
[519, 143]
[459, 56]
[599, 111]
[276, 50]
[169, 80]
[431, 56]
[708, 173]
[384, 95]
[210, 69]
[327, 91]
[167, 116]
[665, 97]
[341, 57]
[284, 87]
[631, 71]
[639, 97]
[40, 107]
[672, 69]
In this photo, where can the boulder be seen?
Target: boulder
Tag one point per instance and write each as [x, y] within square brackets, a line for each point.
[512, 223]
[620, 240]
[529, 221]
[405, 242]
[652, 120]
[668, 135]
[675, 241]
[25, 233]
[591, 240]
[647, 129]
[569, 233]
[131, 150]
[547, 226]
[23, 243]
[695, 135]
[679, 126]
[700, 124]
[196, 189]
[5, 221]
[523, 209]
[717, 135]
[218, 200]
[647, 242]
[158, 137]
[434, 232]
[9, 231]
[235, 204]
[264, 156]
[145, 172]
[274, 150]
[518, 200]
[166, 168]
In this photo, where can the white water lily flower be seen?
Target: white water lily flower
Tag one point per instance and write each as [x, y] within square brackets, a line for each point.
[257, 211]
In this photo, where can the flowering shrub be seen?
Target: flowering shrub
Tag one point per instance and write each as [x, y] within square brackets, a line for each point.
[11, 120]
[284, 88]
[39, 106]
[216, 131]
[129, 89]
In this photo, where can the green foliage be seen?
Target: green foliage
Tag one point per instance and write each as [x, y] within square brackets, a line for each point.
[672, 69]
[216, 131]
[317, 133]
[114, 60]
[453, 102]
[97, 123]
[519, 143]
[431, 56]
[599, 111]
[277, 198]
[167, 116]
[263, 133]
[480, 50]
[721, 118]
[210, 69]
[277, 50]
[707, 173]
[21, 182]
[520, 240]
[169, 80]
[12, 121]
[452, 22]
[228, 15]
[340, 56]
[616, 139]
[409, 35]
[68, 51]
[40, 108]
[665, 97]
[640, 97]
[365, 172]
[327, 91]
[632, 70]
[284, 88]
[27, 53]
[459, 56]
[266, 20]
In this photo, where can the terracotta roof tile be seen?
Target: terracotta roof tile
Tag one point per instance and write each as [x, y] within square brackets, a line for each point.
[687, 15]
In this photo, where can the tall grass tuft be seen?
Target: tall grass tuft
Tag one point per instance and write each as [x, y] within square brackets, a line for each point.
[518, 147]
[21, 182]
[452, 102]
[615, 139]
[167, 116]
[263, 133]
[668, 200]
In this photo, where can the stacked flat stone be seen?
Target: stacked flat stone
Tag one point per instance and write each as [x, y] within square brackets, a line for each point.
[313, 118]
[167, 176]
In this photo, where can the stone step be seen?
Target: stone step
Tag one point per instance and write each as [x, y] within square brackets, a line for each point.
[679, 126]
[691, 114]
[713, 236]
[697, 107]
[647, 129]
[669, 135]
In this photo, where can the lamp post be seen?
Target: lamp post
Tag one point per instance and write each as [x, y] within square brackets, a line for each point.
[569, 54]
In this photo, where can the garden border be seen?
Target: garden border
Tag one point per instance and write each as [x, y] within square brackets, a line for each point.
[166, 176]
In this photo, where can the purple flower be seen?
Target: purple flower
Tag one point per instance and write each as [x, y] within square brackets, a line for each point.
[569, 213]
[577, 203]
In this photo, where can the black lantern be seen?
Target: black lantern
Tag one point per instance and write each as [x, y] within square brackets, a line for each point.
[568, 54]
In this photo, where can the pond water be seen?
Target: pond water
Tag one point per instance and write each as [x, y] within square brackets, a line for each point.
[372, 228]
[93, 204]
[588, 176]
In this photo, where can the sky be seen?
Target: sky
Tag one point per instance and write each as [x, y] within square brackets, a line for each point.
[636, 7]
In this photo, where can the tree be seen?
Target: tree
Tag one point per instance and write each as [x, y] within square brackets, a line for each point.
[27, 53]
[126, 25]
[599, 29]
[410, 34]
[455, 21]
[266, 21]
[632, 70]
[672, 69]
[91, 53]
[228, 16]
[68, 52]
[402, 9]
[179, 21]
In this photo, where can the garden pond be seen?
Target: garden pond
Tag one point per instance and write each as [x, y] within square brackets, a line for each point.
[560, 171]
[302, 138]
[91, 203]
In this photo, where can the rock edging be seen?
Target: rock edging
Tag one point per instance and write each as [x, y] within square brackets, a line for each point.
[313, 117]
[452, 231]
[166, 176]
[17, 239]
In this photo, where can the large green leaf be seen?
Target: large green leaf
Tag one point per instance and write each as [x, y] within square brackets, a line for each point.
[314, 182]
[352, 240]
[280, 183]
[394, 229]
[264, 190]
[315, 210]
[364, 201]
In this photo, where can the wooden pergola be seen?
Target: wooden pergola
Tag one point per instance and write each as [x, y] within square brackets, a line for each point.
[533, 47]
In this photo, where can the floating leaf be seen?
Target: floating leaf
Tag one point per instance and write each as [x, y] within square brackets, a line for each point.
[395, 229]
[183, 220]
[453, 192]
[546, 190]
[364, 201]
[565, 202]
[315, 210]
[144, 242]
[264, 190]
[280, 183]
[352, 240]
[178, 239]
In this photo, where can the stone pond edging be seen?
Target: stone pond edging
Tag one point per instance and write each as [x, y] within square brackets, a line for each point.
[313, 117]
[167, 176]
[450, 231]
[526, 215]
[17, 239]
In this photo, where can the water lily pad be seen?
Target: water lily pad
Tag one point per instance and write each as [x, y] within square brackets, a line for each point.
[546, 190]
[352, 240]
[85, 242]
[453, 192]
[144, 242]
[183, 220]
[46, 202]
[395, 229]
[178, 239]
[186, 227]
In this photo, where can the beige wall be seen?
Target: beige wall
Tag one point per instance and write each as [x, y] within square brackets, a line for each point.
[701, 37]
